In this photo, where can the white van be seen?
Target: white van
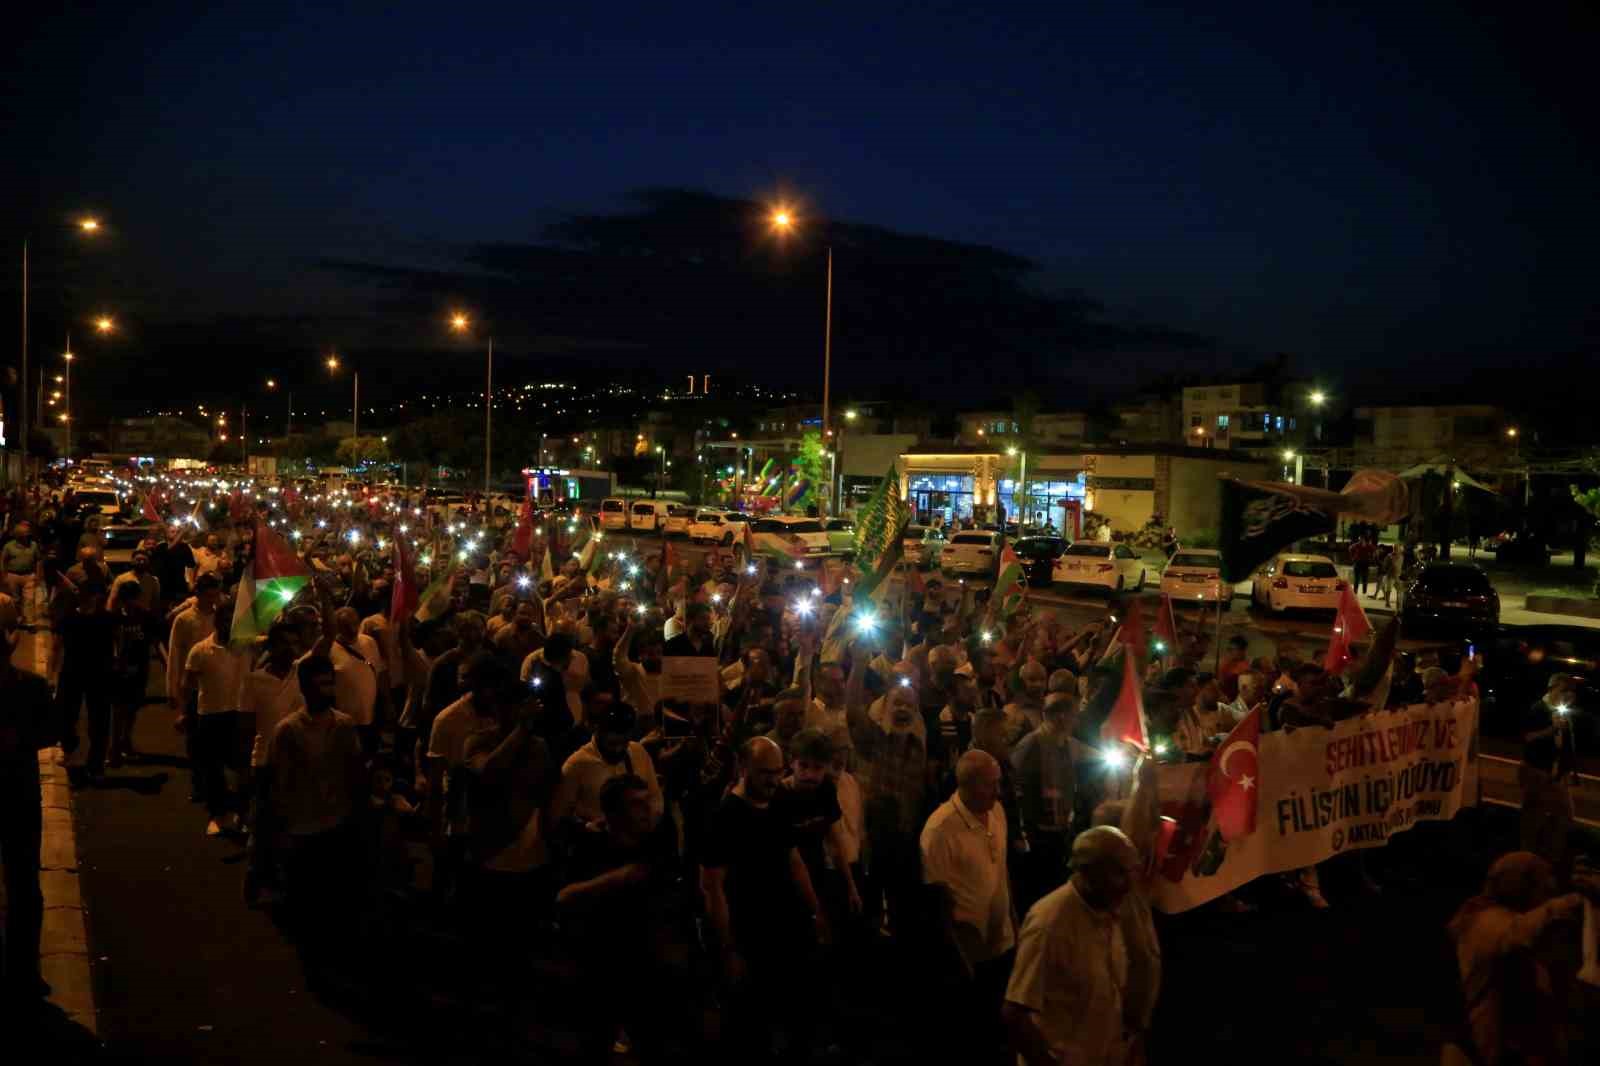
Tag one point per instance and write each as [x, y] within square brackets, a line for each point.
[613, 513]
[644, 516]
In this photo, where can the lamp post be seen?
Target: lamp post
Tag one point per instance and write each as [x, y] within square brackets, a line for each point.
[461, 324]
[355, 396]
[288, 419]
[783, 221]
[66, 411]
[87, 225]
[661, 470]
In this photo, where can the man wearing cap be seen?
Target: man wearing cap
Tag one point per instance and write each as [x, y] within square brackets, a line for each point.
[27, 726]
[611, 753]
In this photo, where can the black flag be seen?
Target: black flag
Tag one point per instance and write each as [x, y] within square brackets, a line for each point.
[1258, 523]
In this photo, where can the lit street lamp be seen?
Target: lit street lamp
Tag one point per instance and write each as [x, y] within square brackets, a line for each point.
[87, 225]
[288, 420]
[783, 221]
[461, 324]
[355, 396]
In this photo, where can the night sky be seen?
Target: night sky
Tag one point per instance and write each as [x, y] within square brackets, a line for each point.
[1408, 186]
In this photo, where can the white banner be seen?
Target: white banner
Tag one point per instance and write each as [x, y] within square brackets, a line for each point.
[1322, 791]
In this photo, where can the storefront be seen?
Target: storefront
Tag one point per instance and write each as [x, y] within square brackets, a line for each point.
[1045, 498]
[948, 497]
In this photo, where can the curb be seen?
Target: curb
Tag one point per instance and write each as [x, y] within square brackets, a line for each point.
[64, 941]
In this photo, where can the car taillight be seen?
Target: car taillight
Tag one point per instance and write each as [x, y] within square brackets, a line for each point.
[1281, 583]
[1103, 567]
[985, 551]
[1338, 586]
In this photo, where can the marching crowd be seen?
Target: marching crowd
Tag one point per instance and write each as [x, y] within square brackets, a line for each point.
[927, 777]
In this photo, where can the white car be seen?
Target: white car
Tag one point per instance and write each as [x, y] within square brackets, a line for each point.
[613, 513]
[677, 521]
[1114, 567]
[1297, 581]
[792, 541]
[713, 527]
[971, 552]
[644, 516]
[1195, 575]
[923, 545]
[103, 502]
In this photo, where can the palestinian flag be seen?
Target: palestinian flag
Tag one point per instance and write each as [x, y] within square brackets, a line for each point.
[1125, 723]
[881, 522]
[1260, 519]
[274, 578]
[1010, 588]
[435, 599]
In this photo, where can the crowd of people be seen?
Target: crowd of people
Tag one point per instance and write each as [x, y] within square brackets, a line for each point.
[929, 775]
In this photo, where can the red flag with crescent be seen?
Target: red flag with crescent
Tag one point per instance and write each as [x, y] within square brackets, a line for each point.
[1125, 723]
[1234, 779]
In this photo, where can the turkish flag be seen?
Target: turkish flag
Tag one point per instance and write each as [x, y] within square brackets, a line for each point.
[1350, 620]
[150, 512]
[1234, 779]
[1166, 630]
[522, 543]
[403, 599]
[1126, 720]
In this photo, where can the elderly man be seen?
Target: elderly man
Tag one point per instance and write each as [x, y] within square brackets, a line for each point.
[1502, 937]
[1065, 999]
[964, 861]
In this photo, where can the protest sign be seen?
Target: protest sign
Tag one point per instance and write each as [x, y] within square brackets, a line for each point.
[1319, 792]
[690, 678]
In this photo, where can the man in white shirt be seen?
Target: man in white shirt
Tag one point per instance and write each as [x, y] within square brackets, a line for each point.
[639, 680]
[964, 861]
[269, 694]
[191, 625]
[610, 754]
[1065, 999]
[214, 671]
[484, 678]
[359, 670]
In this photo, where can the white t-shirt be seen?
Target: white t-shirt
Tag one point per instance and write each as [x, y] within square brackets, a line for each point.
[270, 699]
[189, 628]
[377, 627]
[967, 854]
[221, 672]
[573, 678]
[586, 772]
[355, 678]
[452, 727]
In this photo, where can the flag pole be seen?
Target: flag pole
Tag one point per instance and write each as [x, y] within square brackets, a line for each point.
[1216, 666]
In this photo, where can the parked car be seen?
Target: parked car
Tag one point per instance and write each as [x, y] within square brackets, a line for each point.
[1039, 555]
[841, 536]
[1454, 595]
[791, 540]
[677, 521]
[1517, 664]
[613, 513]
[118, 542]
[712, 527]
[1114, 567]
[1194, 575]
[971, 551]
[646, 516]
[923, 545]
[1292, 581]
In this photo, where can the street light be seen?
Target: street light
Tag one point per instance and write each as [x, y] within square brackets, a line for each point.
[460, 323]
[1511, 432]
[355, 395]
[783, 221]
[1318, 398]
[105, 324]
[87, 225]
[288, 418]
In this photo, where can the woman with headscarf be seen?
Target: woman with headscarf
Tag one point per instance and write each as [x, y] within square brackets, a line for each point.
[1511, 1011]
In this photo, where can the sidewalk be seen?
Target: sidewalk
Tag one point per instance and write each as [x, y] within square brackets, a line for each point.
[64, 946]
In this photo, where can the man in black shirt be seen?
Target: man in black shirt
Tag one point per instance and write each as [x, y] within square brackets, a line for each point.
[612, 908]
[27, 724]
[762, 905]
[809, 803]
[171, 562]
[82, 661]
[696, 638]
[1546, 773]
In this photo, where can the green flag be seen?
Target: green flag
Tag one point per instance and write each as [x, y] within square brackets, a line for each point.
[880, 522]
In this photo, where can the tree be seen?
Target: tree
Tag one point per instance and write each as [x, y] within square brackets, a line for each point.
[356, 451]
[815, 466]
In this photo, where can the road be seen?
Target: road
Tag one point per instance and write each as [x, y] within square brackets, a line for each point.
[184, 972]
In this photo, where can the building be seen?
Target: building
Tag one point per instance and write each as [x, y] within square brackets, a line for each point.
[1128, 485]
[1155, 415]
[1398, 437]
[1047, 427]
[160, 436]
[1263, 415]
